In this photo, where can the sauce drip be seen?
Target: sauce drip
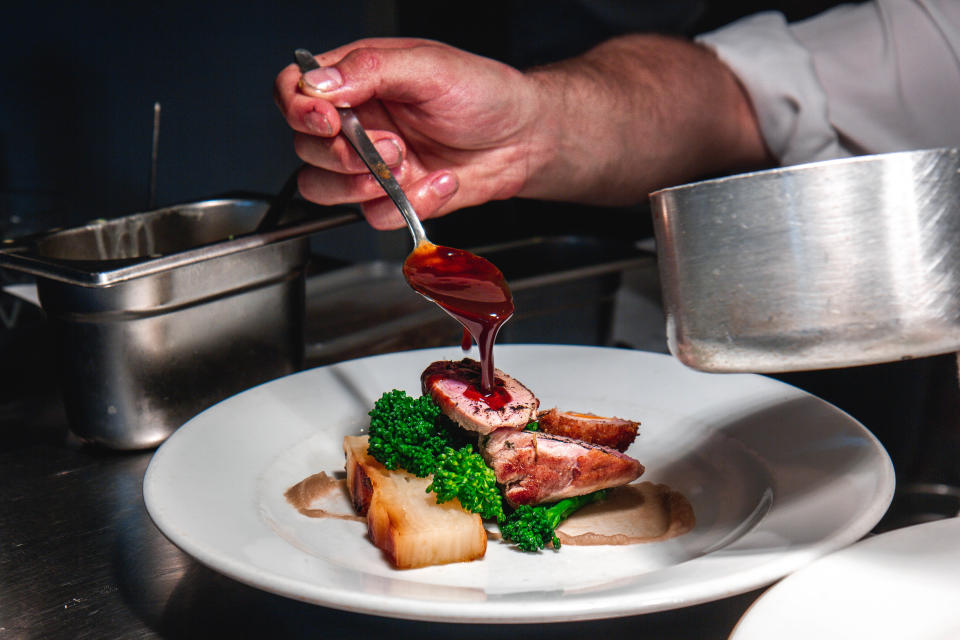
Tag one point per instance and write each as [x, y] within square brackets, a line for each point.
[469, 288]
[496, 399]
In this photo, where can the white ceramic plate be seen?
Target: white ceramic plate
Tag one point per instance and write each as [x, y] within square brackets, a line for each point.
[776, 478]
[901, 584]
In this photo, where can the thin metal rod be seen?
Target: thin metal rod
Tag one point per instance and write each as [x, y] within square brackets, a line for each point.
[154, 153]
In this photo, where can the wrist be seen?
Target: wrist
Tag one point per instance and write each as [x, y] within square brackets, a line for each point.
[561, 160]
[635, 114]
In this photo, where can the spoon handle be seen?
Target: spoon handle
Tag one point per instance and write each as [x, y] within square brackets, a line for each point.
[353, 131]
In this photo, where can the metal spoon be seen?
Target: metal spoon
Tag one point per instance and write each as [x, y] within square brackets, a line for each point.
[469, 288]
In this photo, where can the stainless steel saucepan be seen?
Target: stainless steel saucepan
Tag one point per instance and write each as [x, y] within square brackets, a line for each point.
[829, 264]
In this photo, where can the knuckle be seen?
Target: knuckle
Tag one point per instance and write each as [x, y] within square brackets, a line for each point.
[365, 60]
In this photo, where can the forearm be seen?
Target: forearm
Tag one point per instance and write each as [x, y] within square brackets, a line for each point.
[635, 114]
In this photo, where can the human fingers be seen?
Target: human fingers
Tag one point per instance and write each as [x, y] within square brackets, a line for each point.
[336, 154]
[411, 74]
[301, 110]
[333, 56]
[303, 113]
[429, 196]
[330, 188]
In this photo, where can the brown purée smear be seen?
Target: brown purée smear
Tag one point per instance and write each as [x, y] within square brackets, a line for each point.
[309, 490]
[633, 514]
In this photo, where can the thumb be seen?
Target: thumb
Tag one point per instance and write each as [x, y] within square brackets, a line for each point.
[411, 74]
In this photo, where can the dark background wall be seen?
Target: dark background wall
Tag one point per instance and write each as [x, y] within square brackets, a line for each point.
[79, 81]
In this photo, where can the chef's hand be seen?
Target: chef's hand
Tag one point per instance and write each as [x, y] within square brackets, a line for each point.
[634, 114]
[455, 128]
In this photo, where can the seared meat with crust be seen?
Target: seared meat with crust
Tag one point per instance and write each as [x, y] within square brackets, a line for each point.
[539, 467]
[615, 433]
[455, 386]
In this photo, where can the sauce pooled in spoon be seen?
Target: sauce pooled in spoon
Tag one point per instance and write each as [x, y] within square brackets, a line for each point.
[473, 291]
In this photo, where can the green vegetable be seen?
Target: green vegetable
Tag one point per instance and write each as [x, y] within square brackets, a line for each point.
[406, 433]
[412, 434]
[531, 528]
[462, 474]
[533, 425]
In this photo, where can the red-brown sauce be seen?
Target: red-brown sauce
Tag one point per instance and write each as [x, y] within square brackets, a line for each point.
[469, 288]
[496, 399]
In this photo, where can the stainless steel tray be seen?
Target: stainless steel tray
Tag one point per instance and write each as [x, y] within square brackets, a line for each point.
[158, 315]
[107, 252]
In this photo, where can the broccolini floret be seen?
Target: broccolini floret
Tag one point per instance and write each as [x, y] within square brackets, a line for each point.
[462, 474]
[412, 434]
[531, 528]
[406, 433]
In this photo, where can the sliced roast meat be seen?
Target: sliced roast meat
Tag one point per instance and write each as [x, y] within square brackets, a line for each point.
[615, 433]
[539, 467]
[455, 386]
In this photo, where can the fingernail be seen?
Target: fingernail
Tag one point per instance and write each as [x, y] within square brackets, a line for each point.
[323, 79]
[444, 185]
[318, 123]
[390, 151]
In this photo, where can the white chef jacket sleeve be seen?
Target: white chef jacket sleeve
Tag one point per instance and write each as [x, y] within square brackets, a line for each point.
[869, 78]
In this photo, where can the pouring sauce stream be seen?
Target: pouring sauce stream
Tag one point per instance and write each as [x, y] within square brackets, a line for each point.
[469, 288]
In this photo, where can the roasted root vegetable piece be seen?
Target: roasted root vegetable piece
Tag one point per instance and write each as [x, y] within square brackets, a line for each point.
[615, 433]
[405, 521]
[410, 433]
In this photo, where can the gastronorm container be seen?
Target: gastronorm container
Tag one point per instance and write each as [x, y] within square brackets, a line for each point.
[829, 264]
[158, 315]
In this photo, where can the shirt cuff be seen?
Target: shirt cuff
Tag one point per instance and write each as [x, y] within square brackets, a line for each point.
[779, 76]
